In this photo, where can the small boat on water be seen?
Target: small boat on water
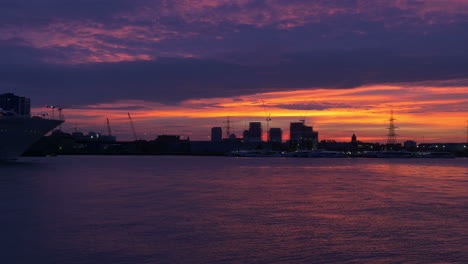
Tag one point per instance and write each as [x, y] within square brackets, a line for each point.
[318, 153]
[369, 154]
[327, 154]
[435, 155]
[254, 153]
[298, 154]
[406, 154]
[394, 154]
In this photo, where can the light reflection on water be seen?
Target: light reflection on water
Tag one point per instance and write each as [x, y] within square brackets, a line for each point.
[234, 210]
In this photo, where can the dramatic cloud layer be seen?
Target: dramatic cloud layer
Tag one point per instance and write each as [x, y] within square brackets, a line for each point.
[429, 113]
[168, 52]
[97, 31]
[172, 80]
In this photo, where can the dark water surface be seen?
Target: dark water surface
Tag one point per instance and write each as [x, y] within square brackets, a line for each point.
[88, 209]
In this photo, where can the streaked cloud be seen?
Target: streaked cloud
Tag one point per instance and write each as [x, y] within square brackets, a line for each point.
[344, 64]
[124, 30]
[333, 112]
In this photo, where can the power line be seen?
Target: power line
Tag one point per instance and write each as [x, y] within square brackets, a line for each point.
[228, 127]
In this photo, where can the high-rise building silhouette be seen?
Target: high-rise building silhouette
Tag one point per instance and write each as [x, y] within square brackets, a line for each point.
[410, 144]
[245, 135]
[302, 137]
[276, 135]
[254, 134]
[216, 134]
[17, 104]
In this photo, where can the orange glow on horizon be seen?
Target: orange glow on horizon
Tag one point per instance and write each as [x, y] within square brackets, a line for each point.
[432, 113]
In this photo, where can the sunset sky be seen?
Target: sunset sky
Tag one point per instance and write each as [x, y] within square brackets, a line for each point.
[183, 66]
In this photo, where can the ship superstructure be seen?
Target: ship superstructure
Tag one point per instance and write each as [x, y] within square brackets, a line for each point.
[18, 131]
[17, 134]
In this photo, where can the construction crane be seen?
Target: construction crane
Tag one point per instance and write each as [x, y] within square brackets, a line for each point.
[268, 119]
[108, 128]
[307, 109]
[304, 117]
[133, 127]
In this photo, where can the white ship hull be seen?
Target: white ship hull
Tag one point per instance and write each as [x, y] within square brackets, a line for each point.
[17, 134]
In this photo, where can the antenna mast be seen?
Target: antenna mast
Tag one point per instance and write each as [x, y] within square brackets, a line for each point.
[133, 127]
[60, 109]
[61, 117]
[268, 119]
[391, 130]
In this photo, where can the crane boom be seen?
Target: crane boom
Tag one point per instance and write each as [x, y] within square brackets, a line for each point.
[108, 128]
[133, 127]
[268, 119]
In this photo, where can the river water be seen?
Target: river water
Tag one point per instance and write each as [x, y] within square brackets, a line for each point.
[176, 209]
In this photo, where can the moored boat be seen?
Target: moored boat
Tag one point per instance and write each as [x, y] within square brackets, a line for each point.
[254, 153]
[435, 155]
[393, 154]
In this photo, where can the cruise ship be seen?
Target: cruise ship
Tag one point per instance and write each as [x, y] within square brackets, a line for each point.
[18, 131]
